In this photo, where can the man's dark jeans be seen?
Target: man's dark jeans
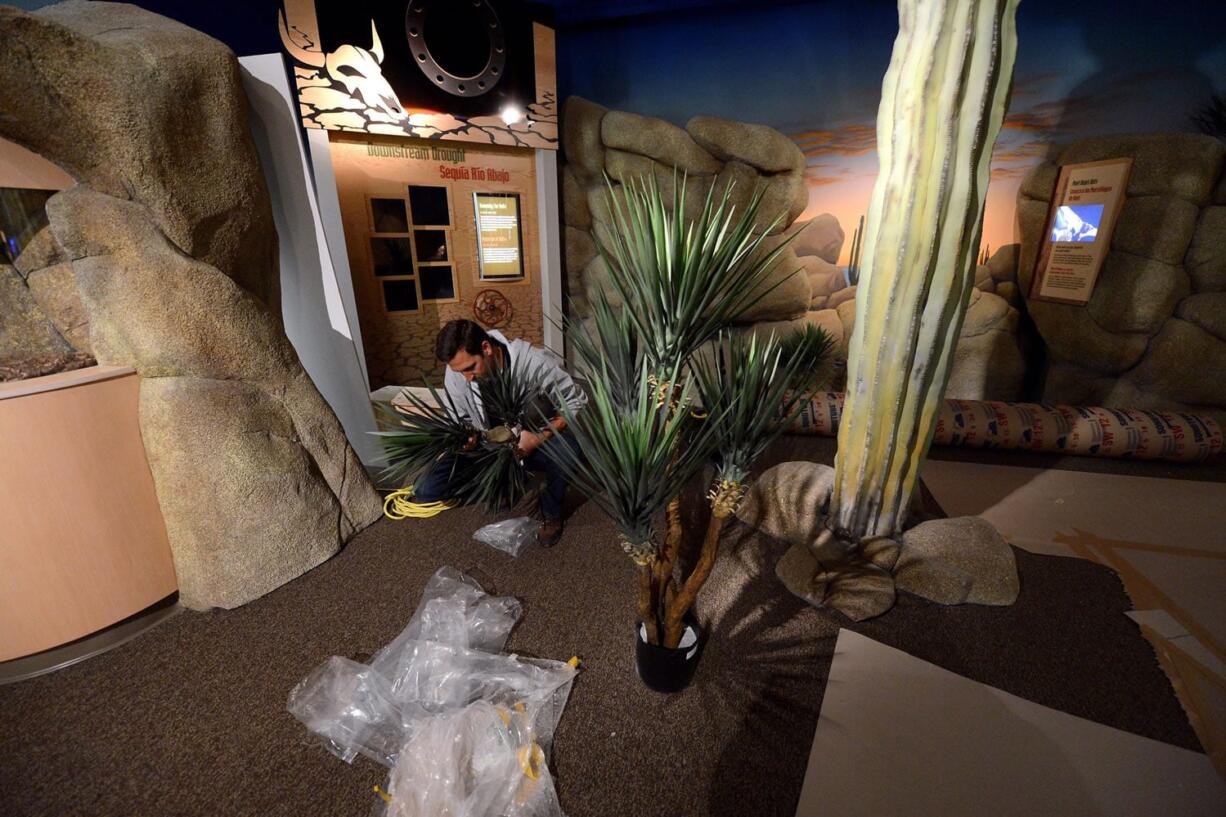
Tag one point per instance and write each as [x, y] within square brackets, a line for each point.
[435, 485]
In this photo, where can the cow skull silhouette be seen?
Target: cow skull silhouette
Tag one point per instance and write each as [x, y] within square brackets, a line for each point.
[352, 71]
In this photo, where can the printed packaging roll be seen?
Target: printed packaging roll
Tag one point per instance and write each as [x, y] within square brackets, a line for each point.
[1089, 431]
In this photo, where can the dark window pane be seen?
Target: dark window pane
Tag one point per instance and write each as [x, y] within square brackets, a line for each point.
[391, 256]
[429, 206]
[431, 245]
[399, 295]
[389, 215]
[436, 283]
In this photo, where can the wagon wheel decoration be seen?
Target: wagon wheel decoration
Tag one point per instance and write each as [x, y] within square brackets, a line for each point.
[492, 309]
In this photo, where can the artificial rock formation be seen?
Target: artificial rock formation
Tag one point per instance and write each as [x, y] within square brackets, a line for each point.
[949, 561]
[709, 153]
[1151, 336]
[170, 243]
[989, 364]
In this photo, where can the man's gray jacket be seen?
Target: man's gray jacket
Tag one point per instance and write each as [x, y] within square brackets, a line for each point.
[466, 396]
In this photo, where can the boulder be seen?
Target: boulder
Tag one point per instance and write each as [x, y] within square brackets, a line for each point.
[1184, 363]
[175, 318]
[828, 320]
[626, 167]
[988, 363]
[581, 126]
[1073, 336]
[820, 236]
[962, 560]
[1136, 294]
[599, 203]
[847, 315]
[141, 107]
[24, 329]
[575, 212]
[1157, 227]
[1032, 221]
[824, 278]
[1040, 182]
[663, 141]
[789, 501]
[758, 145]
[1206, 258]
[983, 277]
[1008, 291]
[1207, 310]
[580, 249]
[39, 253]
[278, 519]
[596, 283]
[840, 297]
[1186, 165]
[784, 294]
[1003, 263]
[55, 290]
[986, 312]
[784, 195]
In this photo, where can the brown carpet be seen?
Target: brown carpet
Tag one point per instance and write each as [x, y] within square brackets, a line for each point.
[189, 719]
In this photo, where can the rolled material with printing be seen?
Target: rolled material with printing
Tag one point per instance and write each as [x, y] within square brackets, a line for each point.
[1083, 430]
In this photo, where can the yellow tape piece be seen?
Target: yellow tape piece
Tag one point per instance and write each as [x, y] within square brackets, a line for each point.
[519, 707]
[574, 662]
[505, 715]
[387, 798]
[399, 505]
[531, 758]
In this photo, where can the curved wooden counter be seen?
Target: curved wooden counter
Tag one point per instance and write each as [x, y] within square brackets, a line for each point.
[82, 541]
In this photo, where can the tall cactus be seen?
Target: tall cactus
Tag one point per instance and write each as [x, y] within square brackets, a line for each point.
[942, 103]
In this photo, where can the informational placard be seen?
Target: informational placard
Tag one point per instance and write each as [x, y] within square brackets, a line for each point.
[499, 238]
[1085, 205]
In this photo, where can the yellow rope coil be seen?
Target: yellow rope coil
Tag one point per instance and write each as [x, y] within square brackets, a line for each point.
[399, 505]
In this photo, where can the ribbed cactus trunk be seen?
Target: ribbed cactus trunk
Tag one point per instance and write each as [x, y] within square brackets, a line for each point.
[942, 103]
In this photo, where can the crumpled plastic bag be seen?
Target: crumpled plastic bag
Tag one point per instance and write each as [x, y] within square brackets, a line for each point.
[509, 535]
[466, 730]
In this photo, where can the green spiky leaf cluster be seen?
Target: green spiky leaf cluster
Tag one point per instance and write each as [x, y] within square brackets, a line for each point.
[417, 435]
[489, 474]
[682, 281]
[634, 461]
[751, 387]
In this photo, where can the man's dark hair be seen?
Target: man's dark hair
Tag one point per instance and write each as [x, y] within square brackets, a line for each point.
[456, 335]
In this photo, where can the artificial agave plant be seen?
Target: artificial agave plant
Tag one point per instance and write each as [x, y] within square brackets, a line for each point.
[670, 390]
[486, 465]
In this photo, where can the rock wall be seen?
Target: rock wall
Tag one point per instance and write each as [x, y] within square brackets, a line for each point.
[166, 251]
[1153, 335]
[989, 363]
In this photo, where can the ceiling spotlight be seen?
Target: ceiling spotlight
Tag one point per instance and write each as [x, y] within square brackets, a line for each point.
[512, 114]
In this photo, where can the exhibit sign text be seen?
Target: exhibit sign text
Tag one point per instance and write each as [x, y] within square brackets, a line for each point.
[1085, 206]
[499, 240]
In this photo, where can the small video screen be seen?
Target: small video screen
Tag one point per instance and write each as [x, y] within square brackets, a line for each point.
[1077, 222]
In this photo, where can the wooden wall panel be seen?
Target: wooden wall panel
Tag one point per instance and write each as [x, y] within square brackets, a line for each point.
[82, 541]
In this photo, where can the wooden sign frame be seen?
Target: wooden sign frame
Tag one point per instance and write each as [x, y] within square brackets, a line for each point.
[1066, 271]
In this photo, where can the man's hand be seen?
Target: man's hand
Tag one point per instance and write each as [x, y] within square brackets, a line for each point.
[528, 442]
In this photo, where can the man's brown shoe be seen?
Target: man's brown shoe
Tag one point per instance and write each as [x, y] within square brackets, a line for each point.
[550, 532]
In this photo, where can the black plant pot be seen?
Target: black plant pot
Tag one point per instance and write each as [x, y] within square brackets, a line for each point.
[667, 669]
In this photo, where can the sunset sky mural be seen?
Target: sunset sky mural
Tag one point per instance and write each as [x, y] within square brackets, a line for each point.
[813, 71]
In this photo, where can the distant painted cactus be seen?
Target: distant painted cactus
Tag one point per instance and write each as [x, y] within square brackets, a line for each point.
[942, 103]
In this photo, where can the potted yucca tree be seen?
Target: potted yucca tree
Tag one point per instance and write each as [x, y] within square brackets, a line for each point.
[671, 390]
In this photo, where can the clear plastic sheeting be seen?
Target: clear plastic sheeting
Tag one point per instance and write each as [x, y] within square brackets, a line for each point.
[466, 730]
[509, 535]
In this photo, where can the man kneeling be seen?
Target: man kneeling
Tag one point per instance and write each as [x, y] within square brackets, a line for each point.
[469, 352]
